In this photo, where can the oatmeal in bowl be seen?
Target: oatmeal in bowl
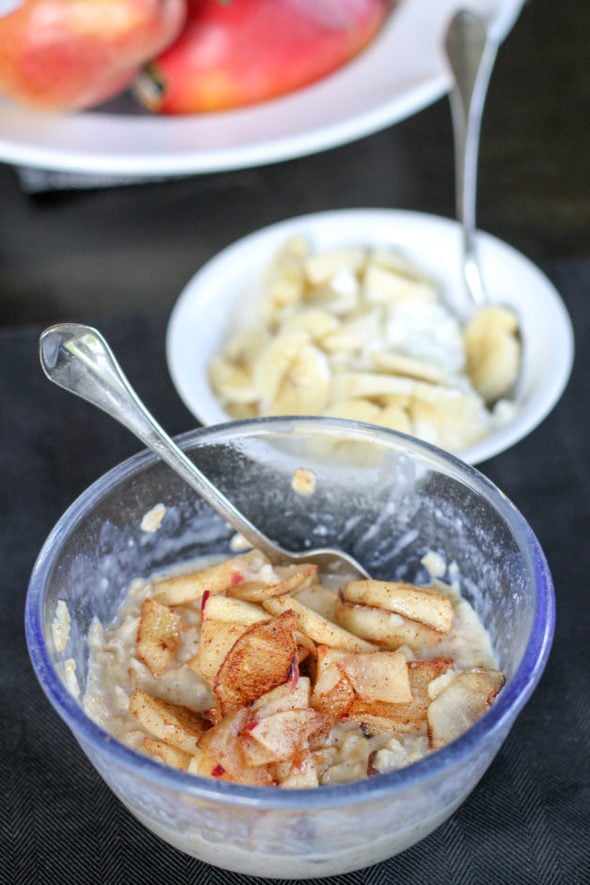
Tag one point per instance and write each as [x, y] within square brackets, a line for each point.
[263, 718]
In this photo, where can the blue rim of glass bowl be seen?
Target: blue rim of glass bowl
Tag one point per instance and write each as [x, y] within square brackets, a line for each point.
[509, 703]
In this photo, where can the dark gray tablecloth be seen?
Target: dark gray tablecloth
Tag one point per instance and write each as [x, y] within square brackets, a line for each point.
[528, 821]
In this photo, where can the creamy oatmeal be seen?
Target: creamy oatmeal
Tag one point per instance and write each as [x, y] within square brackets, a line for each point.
[264, 675]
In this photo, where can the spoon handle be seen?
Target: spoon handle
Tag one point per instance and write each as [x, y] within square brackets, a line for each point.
[77, 358]
[471, 53]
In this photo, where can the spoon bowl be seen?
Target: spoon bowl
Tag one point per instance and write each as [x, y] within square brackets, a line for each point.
[78, 358]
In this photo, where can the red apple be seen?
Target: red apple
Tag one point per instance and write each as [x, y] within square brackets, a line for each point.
[70, 54]
[238, 52]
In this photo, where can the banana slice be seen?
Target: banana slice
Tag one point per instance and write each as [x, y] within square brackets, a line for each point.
[242, 411]
[354, 334]
[230, 382]
[355, 410]
[284, 282]
[394, 259]
[316, 322]
[350, 385]
[230, 372]
[321, 268]
[395, 417]
[384, 286]
[453, 420]
[399, 364]
[292, 376]
[274, 362]
[493, 351]
[245, 346]
[341, 297]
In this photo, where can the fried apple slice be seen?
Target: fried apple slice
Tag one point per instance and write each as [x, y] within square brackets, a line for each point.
[379, 717]
[386, 629]
[298, 775]
[424, 604]
[465, 699]
[319, 599]
[172, 723]
[220, 753]
[322, 758]
[249, 591]
[332, 692]
[283, 698]
[292, 579]
[306, 646]
[378, 676]
[316, 627]
[282, 736]
[264, 656]
[231, 611]
[167, 753]
[205, 765]
[183, 589]
[217, 637]
[158, 636]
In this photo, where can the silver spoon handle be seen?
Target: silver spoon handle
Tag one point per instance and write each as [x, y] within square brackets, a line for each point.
[78, 359]
[471, 53]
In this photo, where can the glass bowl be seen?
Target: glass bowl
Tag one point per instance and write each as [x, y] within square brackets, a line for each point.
[384, 497]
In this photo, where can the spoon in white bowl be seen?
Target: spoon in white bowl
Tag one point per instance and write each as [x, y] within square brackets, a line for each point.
[471, 53]
[78, 359]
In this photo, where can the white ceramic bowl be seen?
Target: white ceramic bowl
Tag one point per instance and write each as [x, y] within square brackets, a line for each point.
[219, 299]
[364, 96]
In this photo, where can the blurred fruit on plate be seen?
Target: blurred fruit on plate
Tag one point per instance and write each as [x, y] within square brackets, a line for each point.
[72, 54]
[240, 52]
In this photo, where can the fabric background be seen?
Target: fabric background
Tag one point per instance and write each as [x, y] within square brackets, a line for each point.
[528, 821]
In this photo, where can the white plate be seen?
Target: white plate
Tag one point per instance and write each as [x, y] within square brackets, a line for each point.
[401, 72]
[218, 299]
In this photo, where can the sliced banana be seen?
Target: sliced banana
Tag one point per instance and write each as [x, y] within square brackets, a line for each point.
[230, 372]
[317, 323]
[340, 299]
[292, 376]
[453, 421]
[354, 334]
[320, 269]
[351, 385]
[245, 346]
[396, 417]
[242, 411]
[493, 351]
[355, 409]
[394, 259]
[399, 364]
[382, 285]
[285, 281]
[232, 383]
[274, 362]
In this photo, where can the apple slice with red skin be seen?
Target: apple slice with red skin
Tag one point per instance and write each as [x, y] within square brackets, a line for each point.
[240, 52]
